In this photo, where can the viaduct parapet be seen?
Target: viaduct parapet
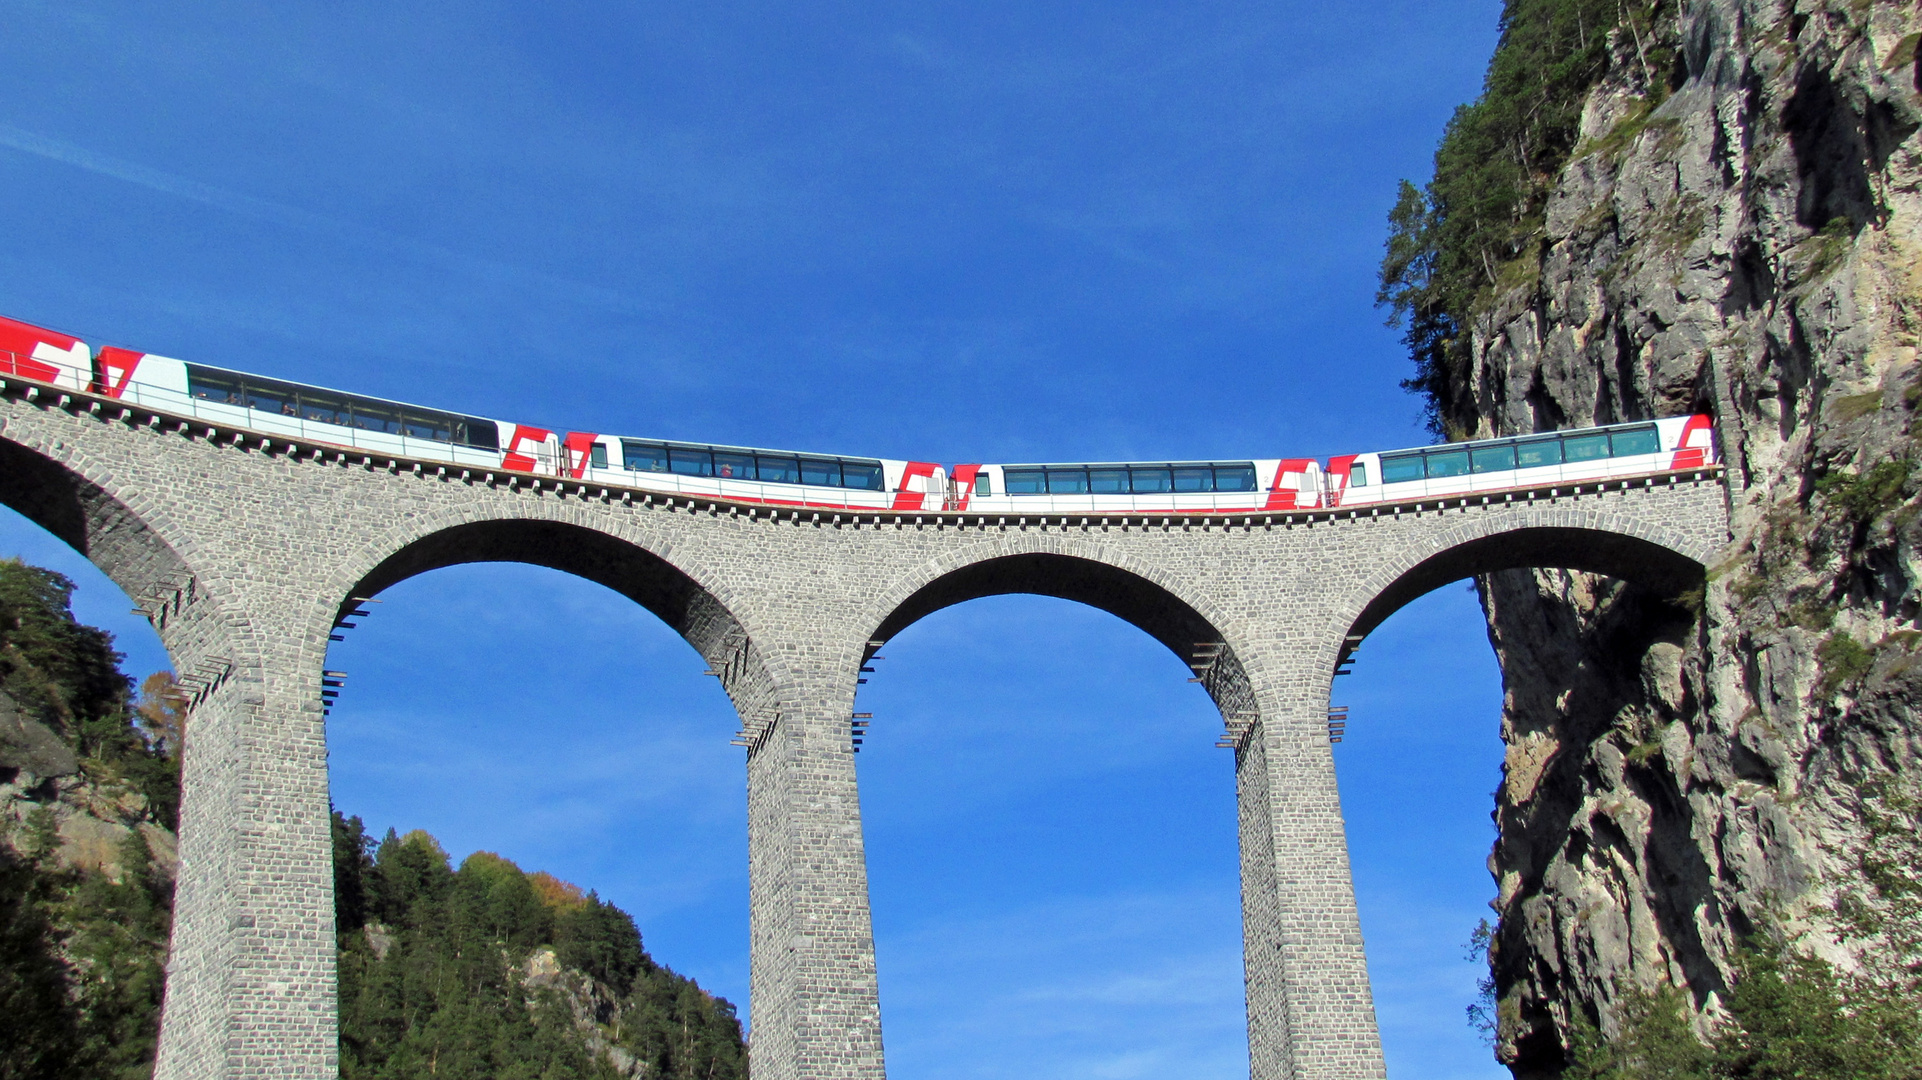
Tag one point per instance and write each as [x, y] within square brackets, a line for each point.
[244, 551]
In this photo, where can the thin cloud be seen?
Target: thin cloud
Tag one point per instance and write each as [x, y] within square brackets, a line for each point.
[282, 214]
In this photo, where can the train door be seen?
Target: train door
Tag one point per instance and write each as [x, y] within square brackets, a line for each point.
[532, 449]
[1297, 485]
[961, 486]
[1335, 482]
[924, 486]
[583, 450]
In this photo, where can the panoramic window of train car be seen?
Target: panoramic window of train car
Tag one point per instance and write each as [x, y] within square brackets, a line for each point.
[1535, 453]
[1498, 458]
[1125, 479]
[864, 475]
[1642, 440]
[322, 409]
[1448, 463]
[746, 465]
[1585, 447]
[1400, 468]
[1234, 478]
[687, 461]
[1193, 480]
[268, 399]
[778, 470]
[643, 457]
[823, 473]
[213, 386]
[1151, 481]
[1067, 482]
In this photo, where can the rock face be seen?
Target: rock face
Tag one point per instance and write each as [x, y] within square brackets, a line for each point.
[39, 774]
[1682, 772]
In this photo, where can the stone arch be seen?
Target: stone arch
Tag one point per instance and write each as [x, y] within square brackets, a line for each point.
[627, 563]
[1247, 681]
[1062, 567]
[137, 550]
[135, 542]
[1143, 596]
[1613, 545]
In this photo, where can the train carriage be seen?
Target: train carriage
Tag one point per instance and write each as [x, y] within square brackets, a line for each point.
[1548, 458]
[786, 478]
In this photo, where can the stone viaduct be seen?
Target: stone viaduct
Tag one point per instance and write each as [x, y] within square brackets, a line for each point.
[246, 551]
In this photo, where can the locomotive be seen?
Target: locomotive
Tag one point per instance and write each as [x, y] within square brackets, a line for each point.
[788, 478]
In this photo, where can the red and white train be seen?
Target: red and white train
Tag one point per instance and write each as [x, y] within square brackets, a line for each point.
[783, 478]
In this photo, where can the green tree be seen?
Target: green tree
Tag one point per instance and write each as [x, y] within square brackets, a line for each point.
[1453, 243]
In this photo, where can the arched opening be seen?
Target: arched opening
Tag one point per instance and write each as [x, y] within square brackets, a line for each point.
[527, 688]
[1419, 756]
[92, 522]
[1424, 688]
[1051, 831]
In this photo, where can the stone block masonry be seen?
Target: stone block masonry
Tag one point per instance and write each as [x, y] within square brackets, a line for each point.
[245, 550]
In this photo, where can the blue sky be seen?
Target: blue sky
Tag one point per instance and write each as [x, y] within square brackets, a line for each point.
[991, 231]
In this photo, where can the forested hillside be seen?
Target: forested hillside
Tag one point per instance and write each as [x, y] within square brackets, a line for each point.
[1707, 862]
[480, 972]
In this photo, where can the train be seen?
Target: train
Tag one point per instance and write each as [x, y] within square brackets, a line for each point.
[822, 481]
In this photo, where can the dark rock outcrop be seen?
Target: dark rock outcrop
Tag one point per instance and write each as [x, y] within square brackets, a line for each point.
[1682, 772]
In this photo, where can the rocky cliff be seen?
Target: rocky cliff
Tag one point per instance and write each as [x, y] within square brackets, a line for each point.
[1737, 230]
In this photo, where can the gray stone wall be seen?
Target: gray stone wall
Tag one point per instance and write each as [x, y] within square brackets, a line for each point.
[245, 551]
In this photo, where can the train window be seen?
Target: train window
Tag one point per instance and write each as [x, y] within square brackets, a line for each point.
[688, 461]
[817, 471]
[268, 399]
[1492, 458]
[1067, 481]
[777, 470]
[597, 456]
[1447, 463]
[1202, 479]
[1108, 481]
[1535, 453]
[211, 386]
[730, 466]
[643, 457]
[427, 426]
[484, 434]
[1234, 478]
[983, 484]
[1636, 441]
[1585, 447]
[1027, 482]
[1401, 468]
[370, 416]
[1358, 474]
[322, 409]
[867, 477]
[1151, 481]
